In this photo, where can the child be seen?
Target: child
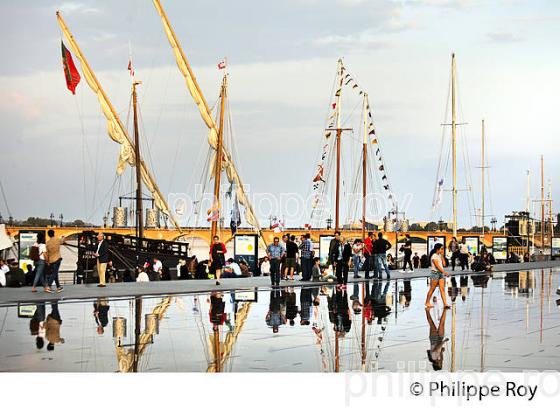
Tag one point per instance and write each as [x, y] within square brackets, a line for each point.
[316, 270]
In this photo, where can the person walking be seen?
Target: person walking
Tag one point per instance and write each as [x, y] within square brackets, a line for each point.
[217, 257]
[407, 249]
[437, 276]
[275, 252]
[54, 259]
[39, 254]
[306, 253]
[380, 248]
[368, 255]
[357, 252]
[454, 251]
[102, 255]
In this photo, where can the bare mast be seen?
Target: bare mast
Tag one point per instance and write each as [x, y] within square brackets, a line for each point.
[218, 163]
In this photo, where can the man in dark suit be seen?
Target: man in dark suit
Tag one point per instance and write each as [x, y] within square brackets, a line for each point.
[334, 248]
[102, 255]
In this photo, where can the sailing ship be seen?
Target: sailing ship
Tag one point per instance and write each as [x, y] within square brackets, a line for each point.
[369, 168]
[129, 250]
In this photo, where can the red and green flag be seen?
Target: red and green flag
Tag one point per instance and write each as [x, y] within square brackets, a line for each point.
[70, 71]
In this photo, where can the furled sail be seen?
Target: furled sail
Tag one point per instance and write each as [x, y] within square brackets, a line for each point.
[205, 113]
[115, 128]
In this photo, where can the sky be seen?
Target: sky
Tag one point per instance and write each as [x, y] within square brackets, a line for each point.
[282, 59]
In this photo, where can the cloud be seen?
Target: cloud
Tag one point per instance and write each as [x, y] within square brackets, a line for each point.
[503, 37]
[455, 4]
[352, 42]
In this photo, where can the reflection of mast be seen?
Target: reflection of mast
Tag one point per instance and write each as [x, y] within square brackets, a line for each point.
[482, 329]
[128, 359]
[137, 322]
[453, 335]
[336, 352]
[218, 163]
[363, 341]
[229, 342]
[542, 305]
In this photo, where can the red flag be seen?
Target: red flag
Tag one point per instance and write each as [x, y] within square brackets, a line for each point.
[222, 65]
[70, 71]
[130, 68]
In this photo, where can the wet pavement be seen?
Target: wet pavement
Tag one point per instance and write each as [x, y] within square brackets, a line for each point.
[510, 322]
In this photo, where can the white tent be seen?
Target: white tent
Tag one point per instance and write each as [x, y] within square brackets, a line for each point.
[5, 240]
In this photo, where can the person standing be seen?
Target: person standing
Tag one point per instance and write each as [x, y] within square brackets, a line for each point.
[380, 248]
[102, 255]
[217, 257]
[342, 272]
[368, 254]
[291, 256]
[4, 269]
[464, 254]
[407, 249]
[306, 252]
[275, 252]
[40, 263]
[438, 275]
[333, 249]
[54, 259]
[454, 250]
[283, 269]
[416, 260]
[357, 252]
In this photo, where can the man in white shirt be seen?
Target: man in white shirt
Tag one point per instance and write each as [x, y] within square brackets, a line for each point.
[232, 269]
[265, 266]
[158, 267]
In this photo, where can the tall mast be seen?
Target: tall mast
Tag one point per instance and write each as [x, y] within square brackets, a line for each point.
[364, 167]
[528, 200]
[482, 166]
[218, 162]
[454, 141]
[338, 137]
[139, 206]
[542, 203]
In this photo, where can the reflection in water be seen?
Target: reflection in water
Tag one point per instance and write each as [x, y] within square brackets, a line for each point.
[437, 340]
[309, 329]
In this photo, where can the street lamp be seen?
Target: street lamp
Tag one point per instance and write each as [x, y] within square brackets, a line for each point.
[440, 224]
[329, 222]
[493, 221]
[61, 217]
[52, 218]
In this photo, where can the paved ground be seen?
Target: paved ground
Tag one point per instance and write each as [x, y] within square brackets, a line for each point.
[13, 296]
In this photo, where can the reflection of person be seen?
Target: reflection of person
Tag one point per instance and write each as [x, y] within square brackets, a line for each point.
[53, 327]
[274, 317]
[101, 314]
[217, 310]
[37, 325]
[102, 255]
[437, 276]
[437, 340]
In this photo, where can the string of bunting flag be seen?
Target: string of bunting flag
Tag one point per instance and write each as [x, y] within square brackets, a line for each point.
[347, 80]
